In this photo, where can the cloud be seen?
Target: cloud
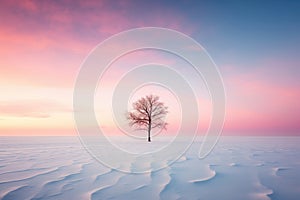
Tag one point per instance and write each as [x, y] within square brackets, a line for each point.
[31, 108]
[260, 100]
[83, 22]
[44, 42]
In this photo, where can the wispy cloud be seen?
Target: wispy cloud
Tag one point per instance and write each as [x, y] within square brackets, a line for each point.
[262, 100]
[44, 42]
[31, 108]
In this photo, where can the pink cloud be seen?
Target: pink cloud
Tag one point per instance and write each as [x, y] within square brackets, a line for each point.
[258, 103]
[44, 42]
[31, 108]
[50, 131]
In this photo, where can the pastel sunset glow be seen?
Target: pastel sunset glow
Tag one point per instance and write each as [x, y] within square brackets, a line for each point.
[43, 44]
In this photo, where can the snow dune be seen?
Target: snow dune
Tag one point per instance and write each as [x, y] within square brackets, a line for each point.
[238, 168]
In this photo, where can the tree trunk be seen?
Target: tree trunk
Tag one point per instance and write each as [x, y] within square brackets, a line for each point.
[149, 130]
[149, 138]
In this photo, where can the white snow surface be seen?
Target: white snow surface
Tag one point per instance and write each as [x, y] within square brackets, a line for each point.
[237, 168]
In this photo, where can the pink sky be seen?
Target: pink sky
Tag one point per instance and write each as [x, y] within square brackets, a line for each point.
[43, 44]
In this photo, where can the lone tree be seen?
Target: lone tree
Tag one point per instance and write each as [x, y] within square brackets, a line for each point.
[148, 113]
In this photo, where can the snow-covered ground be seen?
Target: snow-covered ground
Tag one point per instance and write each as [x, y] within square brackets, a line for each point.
[237, 168]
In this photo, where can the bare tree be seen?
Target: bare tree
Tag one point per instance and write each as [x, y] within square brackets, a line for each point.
[148, 113]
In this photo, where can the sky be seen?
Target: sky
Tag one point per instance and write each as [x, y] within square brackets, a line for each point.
[255, 45]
